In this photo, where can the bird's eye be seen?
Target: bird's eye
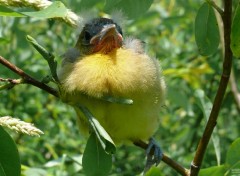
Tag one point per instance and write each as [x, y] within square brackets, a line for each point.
[87, 36]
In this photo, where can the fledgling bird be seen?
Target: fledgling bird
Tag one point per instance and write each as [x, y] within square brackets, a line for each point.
[104, 64]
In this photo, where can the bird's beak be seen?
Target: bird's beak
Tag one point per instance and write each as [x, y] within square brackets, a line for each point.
[107, 39]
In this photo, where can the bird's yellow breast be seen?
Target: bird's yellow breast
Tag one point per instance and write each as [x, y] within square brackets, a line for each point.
[121, 73]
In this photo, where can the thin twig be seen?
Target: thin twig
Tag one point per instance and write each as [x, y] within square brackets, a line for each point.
[227, 63]
[10, 83]
[26, 78]
[177, 167]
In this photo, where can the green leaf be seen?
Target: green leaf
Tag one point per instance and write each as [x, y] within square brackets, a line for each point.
[9, 159]
[35, 172]
[206, 30]
[235, 33]
[233, 154]
[213, 171]
[103, 137]
[100, 131]
[56, 9]
[4, 40]
[203, 102]
[205, 105]
[233, 159]
[154, 171]
[2, 173]
[130, 8]
[4, 11]
[95, 160]
[49, 57]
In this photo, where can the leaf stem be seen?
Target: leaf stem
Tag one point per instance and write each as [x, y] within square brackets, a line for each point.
[216, 7]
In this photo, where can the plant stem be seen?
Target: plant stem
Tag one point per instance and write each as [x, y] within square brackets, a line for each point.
[216, 7]
[176, 166]
[227, 63]
[26, 78]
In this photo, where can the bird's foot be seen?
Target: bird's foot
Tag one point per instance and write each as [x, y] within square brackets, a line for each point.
[154, 154]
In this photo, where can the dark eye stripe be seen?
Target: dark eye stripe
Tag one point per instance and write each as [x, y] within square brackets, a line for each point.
[87, 36]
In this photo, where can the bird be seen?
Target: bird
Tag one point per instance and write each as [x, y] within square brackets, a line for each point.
[105, 63]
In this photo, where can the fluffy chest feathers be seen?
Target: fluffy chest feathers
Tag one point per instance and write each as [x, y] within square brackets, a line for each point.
[121, 73]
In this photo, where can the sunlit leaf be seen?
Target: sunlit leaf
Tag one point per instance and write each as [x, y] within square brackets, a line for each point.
[213, 171]
[56, 9]
[35, 172]
[95, 160]
[4, 11]
[206, 30]
[233, 154]
[4, 40]
[9, 158]
[235, 34]
[154, 171]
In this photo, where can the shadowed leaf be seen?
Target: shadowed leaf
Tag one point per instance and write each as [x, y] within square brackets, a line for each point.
[235, 34]
[9, 158]
[206, 30]
[95, 160]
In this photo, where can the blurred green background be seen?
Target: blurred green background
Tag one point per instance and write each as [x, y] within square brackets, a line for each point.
[167, 28]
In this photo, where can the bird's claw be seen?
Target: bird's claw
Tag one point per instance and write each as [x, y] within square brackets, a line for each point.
[154, 154]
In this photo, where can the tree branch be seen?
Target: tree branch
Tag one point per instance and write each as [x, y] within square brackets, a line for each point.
[177, 167]
[227, 63]
[26, 78]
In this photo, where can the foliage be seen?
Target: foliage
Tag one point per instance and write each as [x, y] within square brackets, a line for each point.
[95, 157]
[206, 30]
[57, 9]
[235, 35]
[9, 158]
[192, 81]
[231, 165]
